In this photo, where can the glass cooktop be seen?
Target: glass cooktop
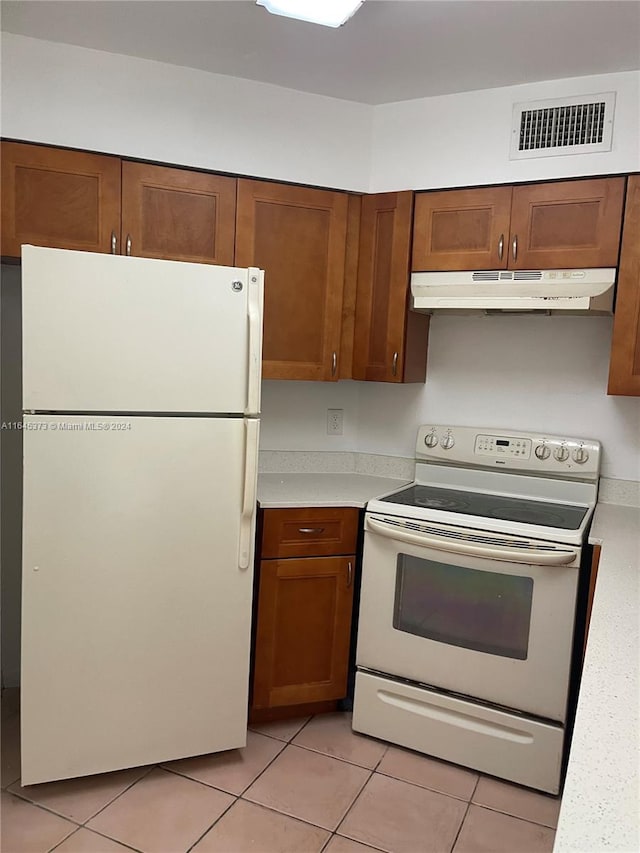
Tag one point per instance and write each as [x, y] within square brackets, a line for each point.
[565, 516]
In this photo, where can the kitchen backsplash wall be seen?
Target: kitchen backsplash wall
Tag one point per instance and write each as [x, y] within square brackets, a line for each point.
[530, 373]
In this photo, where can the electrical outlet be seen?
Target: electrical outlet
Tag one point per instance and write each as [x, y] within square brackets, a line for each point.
[334, 421]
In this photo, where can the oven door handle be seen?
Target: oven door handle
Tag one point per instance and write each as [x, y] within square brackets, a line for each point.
[473, 549]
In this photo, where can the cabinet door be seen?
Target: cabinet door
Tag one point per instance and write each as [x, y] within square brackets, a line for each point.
[297, 236]
[304, 622]
[461, 229]
[177, 214]
[58, 198]
[390, 344]
[566, 224]
[624, 368]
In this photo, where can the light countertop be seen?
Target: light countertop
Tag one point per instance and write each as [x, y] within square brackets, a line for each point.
[344, 489]
[601, 797]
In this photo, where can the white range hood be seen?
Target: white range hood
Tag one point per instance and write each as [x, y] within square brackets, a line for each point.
[585, 291]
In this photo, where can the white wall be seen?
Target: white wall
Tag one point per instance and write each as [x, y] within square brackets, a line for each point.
[294, 415]
[66, 95]
[460, 140]
[531, 373]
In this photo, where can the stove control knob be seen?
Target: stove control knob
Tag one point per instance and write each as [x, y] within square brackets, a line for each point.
[431, 439]
[561, 453]
[580, 455]
[542, 451]
[447, 441]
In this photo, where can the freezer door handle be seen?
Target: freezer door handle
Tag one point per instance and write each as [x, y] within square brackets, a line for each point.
[249, 496]
[254, 308]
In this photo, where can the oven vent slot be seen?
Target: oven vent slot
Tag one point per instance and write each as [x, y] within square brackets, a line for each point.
[479, 538]
[528, 275]
[486, 276]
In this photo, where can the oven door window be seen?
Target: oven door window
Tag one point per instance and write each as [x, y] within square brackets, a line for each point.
[480, 610]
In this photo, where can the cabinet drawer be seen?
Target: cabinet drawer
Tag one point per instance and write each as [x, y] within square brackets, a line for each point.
[318, 532]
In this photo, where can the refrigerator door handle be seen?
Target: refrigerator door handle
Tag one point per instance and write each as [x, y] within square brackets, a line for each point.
[254, 308]
[249, 498]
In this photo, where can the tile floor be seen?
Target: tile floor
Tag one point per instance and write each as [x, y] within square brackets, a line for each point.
[300, 786]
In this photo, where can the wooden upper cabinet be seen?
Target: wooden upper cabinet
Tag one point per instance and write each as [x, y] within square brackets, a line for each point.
[297, 235]
[58, 198]
[566, 224]
[303, 631]
[177, 214]
[624, 366]
[390, 342]
[461, 229]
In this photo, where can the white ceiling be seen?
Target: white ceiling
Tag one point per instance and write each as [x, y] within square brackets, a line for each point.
[391, 50]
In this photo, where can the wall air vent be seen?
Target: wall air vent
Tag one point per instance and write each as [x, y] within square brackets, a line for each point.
[578, 125]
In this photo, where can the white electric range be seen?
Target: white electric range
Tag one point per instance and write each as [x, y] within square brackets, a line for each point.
[468, 601]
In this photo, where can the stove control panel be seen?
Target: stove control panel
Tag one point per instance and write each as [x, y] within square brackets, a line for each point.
[501, 446]
[545, 454]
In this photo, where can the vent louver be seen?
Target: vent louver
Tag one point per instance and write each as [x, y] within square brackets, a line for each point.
[577, 125]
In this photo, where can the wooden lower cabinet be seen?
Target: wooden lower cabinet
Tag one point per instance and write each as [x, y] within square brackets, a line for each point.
[59, 198]
[303, 632]
[624, 366]
[306, 576]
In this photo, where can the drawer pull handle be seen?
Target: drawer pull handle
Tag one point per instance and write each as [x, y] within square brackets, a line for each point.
[311, 530]
[349, 574]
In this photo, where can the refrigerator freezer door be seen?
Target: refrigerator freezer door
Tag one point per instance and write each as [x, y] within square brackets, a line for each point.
[108, 333]
[136, 612]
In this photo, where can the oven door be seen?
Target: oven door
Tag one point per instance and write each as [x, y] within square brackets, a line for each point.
[487, 615]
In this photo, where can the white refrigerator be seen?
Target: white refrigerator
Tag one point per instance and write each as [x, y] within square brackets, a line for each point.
[141, 394]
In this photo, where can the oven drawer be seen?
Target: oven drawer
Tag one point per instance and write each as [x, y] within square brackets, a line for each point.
[309, 532]
[506, 745]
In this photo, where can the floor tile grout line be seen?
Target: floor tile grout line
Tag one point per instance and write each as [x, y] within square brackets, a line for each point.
[117, 796]
[500, 811]
[510, 814]
[102, 835]
[364, 843]
[330, 755]
[274, 737]
[44, 808]
[426, 788]
[55, 846]
[284, 814]
[515, 817]
[464, 817]
[51, 810]
[355, 800]
[209, 828]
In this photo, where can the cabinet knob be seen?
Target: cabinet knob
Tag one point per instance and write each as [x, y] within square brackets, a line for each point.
[311, 530]
[394, 364]
[501, 247]
[114, 243]
[514, 247]
[349, 573]
[128, 244]
[334, 363]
